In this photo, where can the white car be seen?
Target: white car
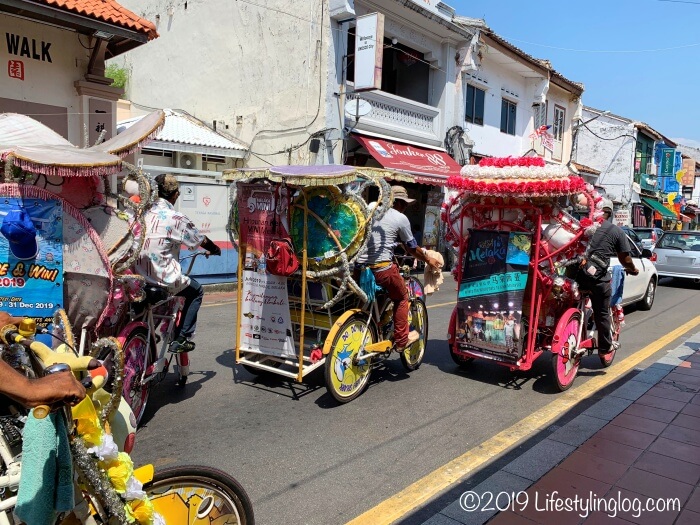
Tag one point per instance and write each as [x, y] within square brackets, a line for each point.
[639, 288]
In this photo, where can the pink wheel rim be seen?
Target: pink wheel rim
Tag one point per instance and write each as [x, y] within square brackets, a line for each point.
[134, 356]
[569, 336]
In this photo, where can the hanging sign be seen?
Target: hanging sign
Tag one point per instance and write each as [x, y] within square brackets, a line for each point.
[490, 299]
[265, 319]
[369, 51]
[31, 258]
[668, 158]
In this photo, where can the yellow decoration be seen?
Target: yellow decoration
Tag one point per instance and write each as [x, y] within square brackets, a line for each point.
[119, 471]
[87, 422]
[679, 175]
[140, 511]
[670, 197]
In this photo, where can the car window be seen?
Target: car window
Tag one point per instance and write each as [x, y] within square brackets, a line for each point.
[643, 234]
[680, 240]
[635, 248]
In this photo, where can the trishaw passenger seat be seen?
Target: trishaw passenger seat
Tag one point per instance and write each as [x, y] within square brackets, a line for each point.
[156, 294]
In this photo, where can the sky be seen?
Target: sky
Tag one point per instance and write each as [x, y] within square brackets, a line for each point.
[639, 59]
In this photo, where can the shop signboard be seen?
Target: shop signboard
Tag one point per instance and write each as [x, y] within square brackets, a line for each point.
[369, 51]
[688, 175]
[622, 217]
[669, 185]
[668, 158]
[490, 299]
[265, 323]
[31, 258]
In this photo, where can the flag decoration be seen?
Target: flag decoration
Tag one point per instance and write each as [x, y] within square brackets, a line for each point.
[546, 139]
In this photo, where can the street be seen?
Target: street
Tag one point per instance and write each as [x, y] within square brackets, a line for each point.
[306, 460]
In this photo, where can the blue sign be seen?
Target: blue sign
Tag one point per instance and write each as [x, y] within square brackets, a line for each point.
[31, 258]
[669, 185]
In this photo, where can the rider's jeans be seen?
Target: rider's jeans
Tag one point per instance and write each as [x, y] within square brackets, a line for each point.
[395, 286]
[193, 300]
[600, 300]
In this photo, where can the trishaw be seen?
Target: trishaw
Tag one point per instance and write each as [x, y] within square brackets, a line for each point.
[518, 251]
[318, 311]
[66, 247]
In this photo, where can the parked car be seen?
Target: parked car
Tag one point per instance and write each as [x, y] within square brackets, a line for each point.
[634, 237]
[639, 288]
[649, 236]
[678, 255]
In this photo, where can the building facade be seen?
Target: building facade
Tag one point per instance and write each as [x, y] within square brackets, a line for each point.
[53, 62]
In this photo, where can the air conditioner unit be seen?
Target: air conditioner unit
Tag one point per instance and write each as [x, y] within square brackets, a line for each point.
[188, 161]
[651, 168]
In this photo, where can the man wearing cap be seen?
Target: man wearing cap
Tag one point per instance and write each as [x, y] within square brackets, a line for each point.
[393, 228]
[159, 260]
[608, 241]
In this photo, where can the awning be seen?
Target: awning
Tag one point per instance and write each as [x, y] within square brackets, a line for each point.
[685, 219]
[691, 210]
[428, 165]
[658, 207]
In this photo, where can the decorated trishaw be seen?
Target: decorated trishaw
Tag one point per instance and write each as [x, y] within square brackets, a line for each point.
[67, 243]
[303, 302]
[518, 250]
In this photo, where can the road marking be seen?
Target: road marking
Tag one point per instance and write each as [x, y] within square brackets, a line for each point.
[442, 478]
[441, 304]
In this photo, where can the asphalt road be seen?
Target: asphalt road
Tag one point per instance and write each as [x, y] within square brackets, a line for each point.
[306, 460]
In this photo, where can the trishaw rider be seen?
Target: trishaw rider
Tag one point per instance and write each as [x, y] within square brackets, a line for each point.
[159, 263]
[608, 241]
[394, 227]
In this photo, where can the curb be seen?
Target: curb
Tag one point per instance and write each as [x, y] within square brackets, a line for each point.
[538, 460]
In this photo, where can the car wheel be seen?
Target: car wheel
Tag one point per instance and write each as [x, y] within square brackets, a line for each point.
[648, 299]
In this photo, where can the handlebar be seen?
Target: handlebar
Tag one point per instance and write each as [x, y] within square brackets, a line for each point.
[194, 256]
[53, 362]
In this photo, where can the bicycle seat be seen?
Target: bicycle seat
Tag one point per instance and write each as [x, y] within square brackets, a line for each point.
[156, 294]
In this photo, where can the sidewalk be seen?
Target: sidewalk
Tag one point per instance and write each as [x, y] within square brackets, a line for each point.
[633, 452]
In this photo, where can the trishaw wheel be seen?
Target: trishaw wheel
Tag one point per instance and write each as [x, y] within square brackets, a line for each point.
[566, 360]
[345, 377]
[412, 356]
[135, 393]
[607, 359]
[197, 494]
[459, 359]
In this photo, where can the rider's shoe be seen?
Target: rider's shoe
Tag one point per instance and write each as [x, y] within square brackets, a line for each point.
[413, 336]
[615, 346]
[181, 345]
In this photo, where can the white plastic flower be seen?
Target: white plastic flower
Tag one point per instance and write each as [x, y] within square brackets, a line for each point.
[107, 450]
[134, 489]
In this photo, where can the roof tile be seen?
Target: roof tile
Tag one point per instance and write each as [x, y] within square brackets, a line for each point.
[108, 11]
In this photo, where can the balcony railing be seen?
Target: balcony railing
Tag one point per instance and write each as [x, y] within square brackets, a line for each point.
[397, 117]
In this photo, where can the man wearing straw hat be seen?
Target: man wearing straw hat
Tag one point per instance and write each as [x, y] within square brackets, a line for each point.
[394, 227]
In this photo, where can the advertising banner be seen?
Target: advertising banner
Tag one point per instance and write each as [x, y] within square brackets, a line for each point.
[31, 258]
[491, 293]
[265, 320]
[431, 227]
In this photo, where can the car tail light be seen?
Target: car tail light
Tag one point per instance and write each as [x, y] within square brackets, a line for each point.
[653, 257]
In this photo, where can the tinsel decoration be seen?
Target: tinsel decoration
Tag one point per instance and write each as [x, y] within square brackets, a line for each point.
[97, 481]
[117, 352]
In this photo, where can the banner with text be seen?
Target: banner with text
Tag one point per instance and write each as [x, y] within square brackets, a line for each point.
[491, 293]
[31, 258]
[265, 320]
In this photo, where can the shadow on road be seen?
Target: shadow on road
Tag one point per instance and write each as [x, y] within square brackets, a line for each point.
[169, 393]
[540, 376]
[686, 284]
[269, 381]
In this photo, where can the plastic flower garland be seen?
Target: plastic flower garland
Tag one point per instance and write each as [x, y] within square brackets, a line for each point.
[108, 471]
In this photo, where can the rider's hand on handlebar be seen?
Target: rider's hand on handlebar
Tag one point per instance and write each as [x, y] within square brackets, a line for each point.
[59, 388]
[632, 271]
[214, 250]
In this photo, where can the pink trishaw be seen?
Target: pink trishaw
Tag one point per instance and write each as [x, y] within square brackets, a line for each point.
[512, 224]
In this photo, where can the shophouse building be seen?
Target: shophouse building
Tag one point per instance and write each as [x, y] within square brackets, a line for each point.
[297, 85]
[53, 62]
[640, 168]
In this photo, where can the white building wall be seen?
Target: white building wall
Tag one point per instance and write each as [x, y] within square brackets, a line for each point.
[613, 157]
[260, 71]
[45, 82]
[499, 82]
